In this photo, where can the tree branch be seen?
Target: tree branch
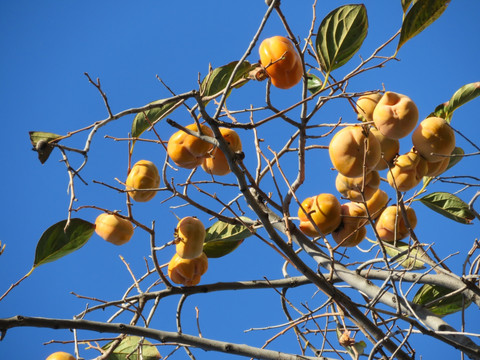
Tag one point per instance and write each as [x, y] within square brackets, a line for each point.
[159, 335]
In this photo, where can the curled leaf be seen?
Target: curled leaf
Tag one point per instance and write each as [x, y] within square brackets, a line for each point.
[216, 80]
[42, 143]
[340, 35]
[427, 295]
[439, 111]
[406, 5]
[57, 241]
[457, 155]
[463, 95]
[133, 348]
[145, 119]
[314, 84]
[449, 206]
[222, 238]
[412, 257]
[422, 14]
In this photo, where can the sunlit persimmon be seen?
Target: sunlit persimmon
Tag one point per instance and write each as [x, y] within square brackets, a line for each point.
[143, 175]
[187, 272]
[358, 188]
[407, 171]
[365, 106]
[324, 209]
[376, 203]
[391, 224]
[60, 355]
[352, 227]
[217, 163]
[189, 236]
[186, 150]
[354, 150]
[281, 61]
[395, 115]
[113, 228]
[434, 139]
[389, 149]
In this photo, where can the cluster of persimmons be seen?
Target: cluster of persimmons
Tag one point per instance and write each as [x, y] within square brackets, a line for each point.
[187, 151]
[357, 152]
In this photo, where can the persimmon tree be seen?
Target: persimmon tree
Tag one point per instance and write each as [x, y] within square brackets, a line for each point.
[377, 297]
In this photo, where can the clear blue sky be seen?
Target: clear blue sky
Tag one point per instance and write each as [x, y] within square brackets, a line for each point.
[47, 46]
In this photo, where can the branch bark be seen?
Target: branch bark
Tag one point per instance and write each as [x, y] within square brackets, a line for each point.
[159, 335]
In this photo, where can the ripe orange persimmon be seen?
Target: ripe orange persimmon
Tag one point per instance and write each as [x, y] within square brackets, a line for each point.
[437, 168]
[113, 228]
[189, 236]
[407, 171]
[391, 225]
[60, 355]
[281, 61]
[352, 227]
[324, 209]
[365, 106]
[354, 149]
[217, 164]
[376, 203]
[433, 138]
[351, 187]
[143, 175]
[389, 149]
[395, 115]
[187, 271]
[186, 150]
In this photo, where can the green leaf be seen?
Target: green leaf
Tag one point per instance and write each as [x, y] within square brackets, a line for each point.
[454, 160]
[222, 238]
[449, 206]
[462, 96]
[422, 14]
[217, 79]
[220, 248]
[56, 243]
[129, 349]
[314, 84]
[439, 111]
[406, 5]
[456, 156]
[428, 293]
[148, 118]
[41, 142]
[410, 260]
[340, 35]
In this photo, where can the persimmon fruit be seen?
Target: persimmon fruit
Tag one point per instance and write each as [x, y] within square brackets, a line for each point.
[281, 61]
[352, 228]
[353, 149]
[189, 237]
[324, 209]
[365, 106]
[395, 115]
[407, 171]
[216, 163]
[391, 225]
[187, 272]
[188, 151]
[434, 139]
[60, 355]
[351, 188]
[143, 175]
[113, 228]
